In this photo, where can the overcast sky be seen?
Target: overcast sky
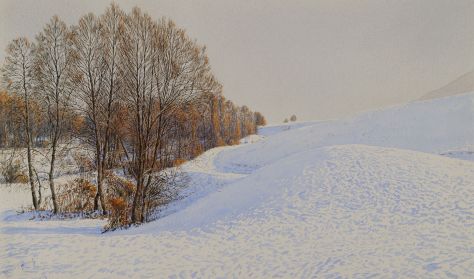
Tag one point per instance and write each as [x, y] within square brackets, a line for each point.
[318, 59]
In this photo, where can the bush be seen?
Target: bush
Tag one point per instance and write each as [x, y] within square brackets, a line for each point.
[119, 198]
[178, 162]
[13, 173]
[118, 216]
[163, 188]
[76, 196]
[83, 162]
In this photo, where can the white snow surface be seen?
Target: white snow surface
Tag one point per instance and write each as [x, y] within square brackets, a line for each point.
[374, 196]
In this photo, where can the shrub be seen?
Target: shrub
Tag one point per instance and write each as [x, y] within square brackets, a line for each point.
[76, 196]
[164, 187]
[13, 173]
[119, 197]
[179, 162]
[83, 162]
[118, 216]
[22, 178]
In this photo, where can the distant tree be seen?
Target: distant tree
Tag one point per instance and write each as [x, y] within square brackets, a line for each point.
[260, 119]
[215, 100]
[228, 121]
[6, 125]
[293, 118]
[285, 121]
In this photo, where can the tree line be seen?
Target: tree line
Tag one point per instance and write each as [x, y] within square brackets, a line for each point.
[137, 91]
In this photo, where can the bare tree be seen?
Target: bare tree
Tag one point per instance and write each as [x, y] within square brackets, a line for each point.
[111, 29]
[89, 71]
[18, 74]
[163, 70]
[180, 75]
[138, 96]
[53, 61]
[147, 101]
[96, 45]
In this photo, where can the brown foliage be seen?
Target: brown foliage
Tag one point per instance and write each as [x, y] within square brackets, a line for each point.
[179, 162]
[119, 201]
[76, 196]
[118, 216]
[198, 150]
[83, 162]
[260, 119]
[137, 90]
[13, 173]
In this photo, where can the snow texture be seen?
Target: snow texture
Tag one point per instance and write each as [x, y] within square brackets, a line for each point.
[374, 196]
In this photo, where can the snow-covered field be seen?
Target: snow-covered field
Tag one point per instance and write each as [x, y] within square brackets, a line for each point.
[371, 196]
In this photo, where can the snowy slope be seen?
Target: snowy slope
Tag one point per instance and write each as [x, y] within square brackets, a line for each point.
[462, 84]
[434, 126]
[272, 129]
[363, 197]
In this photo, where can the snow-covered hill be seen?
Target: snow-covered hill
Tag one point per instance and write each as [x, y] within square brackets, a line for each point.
[435, 126]
[462, 84]
[371, 196]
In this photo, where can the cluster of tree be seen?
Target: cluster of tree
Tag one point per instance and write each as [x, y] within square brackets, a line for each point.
[292, 119]
[139, 92]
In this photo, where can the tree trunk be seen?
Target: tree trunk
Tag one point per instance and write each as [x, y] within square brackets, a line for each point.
[28, 150]
[136, 213]
[51, 179]
[39, 188]
[100, 174]
[99, 182]
[30, 175]
[137, 199]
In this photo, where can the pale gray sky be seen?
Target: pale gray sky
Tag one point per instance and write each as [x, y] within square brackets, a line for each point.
[319, 59]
